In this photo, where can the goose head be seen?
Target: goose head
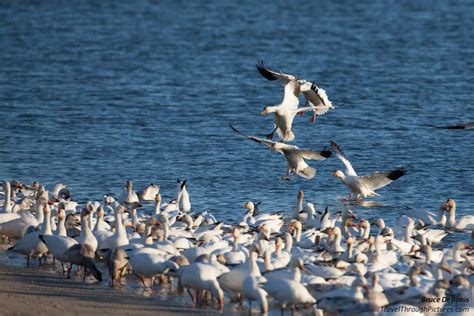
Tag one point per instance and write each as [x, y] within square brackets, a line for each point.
[338, 174]
[250, 206]
[448, 205]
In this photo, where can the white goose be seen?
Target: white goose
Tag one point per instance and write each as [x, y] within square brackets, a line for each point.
[251, 290]
[286, 111]
[233, 280]
[129, 196]
[290, 291]
[463, 223]
[150, 192]
[86, 236]
[147, 264]
[31, 245]
[184, 204]
[363, 186]
[200, 275]
[294, 156]
[119, 237]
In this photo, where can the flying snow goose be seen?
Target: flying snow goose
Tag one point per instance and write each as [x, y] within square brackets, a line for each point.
[286, 111]
[363, 186]
[294, 156]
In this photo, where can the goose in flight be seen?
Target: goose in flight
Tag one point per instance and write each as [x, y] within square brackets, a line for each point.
[286, 111]
[294, 156]
[363, 186]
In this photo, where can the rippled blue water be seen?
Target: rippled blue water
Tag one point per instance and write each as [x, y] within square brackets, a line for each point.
[94, 93]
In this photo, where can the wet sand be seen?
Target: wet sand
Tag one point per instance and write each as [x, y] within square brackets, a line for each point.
[42, 291]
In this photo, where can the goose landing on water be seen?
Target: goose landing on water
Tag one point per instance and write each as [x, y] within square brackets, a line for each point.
[286, 111]
[363, 186]
[294, 156]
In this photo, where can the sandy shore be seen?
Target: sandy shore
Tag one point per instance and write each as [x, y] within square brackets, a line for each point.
[32, 291]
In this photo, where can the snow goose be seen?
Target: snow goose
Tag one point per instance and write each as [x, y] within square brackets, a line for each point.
[150, 263]
[7, 203]
[233, 280]
[86, 236]
[129, 196]
[119, 237]
[200, 275]
[237, 255]
[294, 156]
[363, 186]
[252, 291]
[31, 245]
[288, 108]
[157, 208]
[289, 291]
[463, 223]
[150, 192]
[184, 204]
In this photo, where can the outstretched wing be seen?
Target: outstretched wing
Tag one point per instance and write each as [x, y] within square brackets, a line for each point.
[338, 151]
[273, 75]
[267, 142]
[378, 180]
[314, 155]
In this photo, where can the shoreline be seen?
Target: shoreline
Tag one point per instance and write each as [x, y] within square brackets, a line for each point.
[27, 291]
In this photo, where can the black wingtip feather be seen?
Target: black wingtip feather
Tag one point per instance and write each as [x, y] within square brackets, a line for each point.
[395, 174]
[264, 71]
[326, 153]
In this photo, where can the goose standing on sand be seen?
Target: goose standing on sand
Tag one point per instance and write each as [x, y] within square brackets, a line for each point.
[286, 111]
[119, 237]
[31, 245]
[294, 156]
[86, 236]
[363, 186]
[463, 223]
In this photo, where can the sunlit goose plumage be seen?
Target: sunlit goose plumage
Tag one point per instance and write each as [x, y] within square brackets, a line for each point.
[233, 280]
[147, 265]
[200, 275]
[286, 111]
[119, 237]
[252, 291]
[363, 186]
[86, 236]
[294, 156]
[289, 291]
[150, 192]
[7, 202]
[129, 196]
[31, 244]
[184, 203]
[463, 223]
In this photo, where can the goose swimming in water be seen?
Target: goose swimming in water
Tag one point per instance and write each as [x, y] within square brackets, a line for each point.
[363, 186]
[286, 111]
[294, 156]
[463, 223]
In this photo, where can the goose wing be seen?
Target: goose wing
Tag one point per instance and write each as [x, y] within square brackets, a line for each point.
[266, 142]
[316, 97]
[378, 180]
[273, 75]
[338, 151]
[314, 155]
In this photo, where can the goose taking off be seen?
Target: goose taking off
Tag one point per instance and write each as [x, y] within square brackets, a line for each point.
[363, 186]
[286, 111]
[293, 155]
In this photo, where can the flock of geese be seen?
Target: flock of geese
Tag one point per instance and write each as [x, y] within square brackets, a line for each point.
[312, 260]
